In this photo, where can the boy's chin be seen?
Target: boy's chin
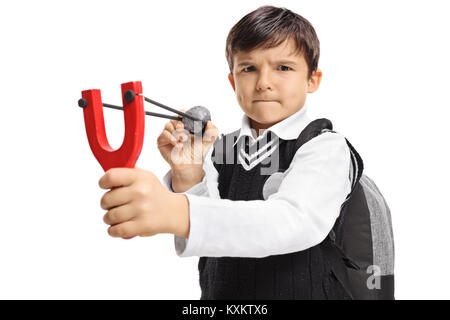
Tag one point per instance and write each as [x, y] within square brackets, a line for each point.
[265, 121]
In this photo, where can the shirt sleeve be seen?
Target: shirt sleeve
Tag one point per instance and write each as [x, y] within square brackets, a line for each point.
[296, 217]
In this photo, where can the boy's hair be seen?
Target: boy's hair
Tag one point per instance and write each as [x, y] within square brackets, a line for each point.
[268, 27]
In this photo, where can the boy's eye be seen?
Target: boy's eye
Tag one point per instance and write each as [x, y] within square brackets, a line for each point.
[247, 68]
[285, 67]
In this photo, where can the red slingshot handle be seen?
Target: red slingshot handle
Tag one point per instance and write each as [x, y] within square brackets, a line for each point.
[134, 114]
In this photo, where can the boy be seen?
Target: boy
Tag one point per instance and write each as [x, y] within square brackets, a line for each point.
[257, 218]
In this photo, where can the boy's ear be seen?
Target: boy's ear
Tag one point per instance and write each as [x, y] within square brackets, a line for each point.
[230, 77]
[314, 81]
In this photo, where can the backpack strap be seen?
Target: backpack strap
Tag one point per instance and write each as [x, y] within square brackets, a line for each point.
[357, 168]
[312, 130]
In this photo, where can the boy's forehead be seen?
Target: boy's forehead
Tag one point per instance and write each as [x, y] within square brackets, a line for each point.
[285, 50]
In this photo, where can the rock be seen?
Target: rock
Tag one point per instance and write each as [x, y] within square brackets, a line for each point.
[197, 127]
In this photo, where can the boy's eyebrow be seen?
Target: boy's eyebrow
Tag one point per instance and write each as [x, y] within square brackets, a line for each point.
[279, 61]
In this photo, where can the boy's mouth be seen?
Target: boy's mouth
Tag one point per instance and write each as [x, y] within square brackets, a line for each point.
[264, 101]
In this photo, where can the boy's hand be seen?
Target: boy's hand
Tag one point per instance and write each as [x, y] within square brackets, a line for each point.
[185, 152]
[139, 205]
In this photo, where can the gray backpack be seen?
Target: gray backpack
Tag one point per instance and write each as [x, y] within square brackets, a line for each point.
[360, 247]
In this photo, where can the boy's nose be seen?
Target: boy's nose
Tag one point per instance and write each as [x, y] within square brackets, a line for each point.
[264, 81]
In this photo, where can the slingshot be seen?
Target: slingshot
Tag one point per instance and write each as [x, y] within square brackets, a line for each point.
[134, 114]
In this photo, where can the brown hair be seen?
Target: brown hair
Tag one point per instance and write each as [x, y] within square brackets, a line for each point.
[268, 27]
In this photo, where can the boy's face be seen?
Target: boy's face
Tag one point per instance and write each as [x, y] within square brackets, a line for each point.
[274, 74]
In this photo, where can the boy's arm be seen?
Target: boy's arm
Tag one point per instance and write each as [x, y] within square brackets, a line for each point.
[298, 216]
[206, 188]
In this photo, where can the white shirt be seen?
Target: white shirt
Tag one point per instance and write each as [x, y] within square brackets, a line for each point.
[300, 209]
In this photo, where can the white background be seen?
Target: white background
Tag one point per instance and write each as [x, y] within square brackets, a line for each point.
[385, 87]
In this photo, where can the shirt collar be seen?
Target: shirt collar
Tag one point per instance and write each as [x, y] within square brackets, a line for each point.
[287, 129]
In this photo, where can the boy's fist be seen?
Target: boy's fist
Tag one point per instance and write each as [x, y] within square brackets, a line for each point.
[180, 148]
[185, 152]
[139, 205]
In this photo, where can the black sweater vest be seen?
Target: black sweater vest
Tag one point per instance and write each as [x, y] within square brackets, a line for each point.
[298, 275]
